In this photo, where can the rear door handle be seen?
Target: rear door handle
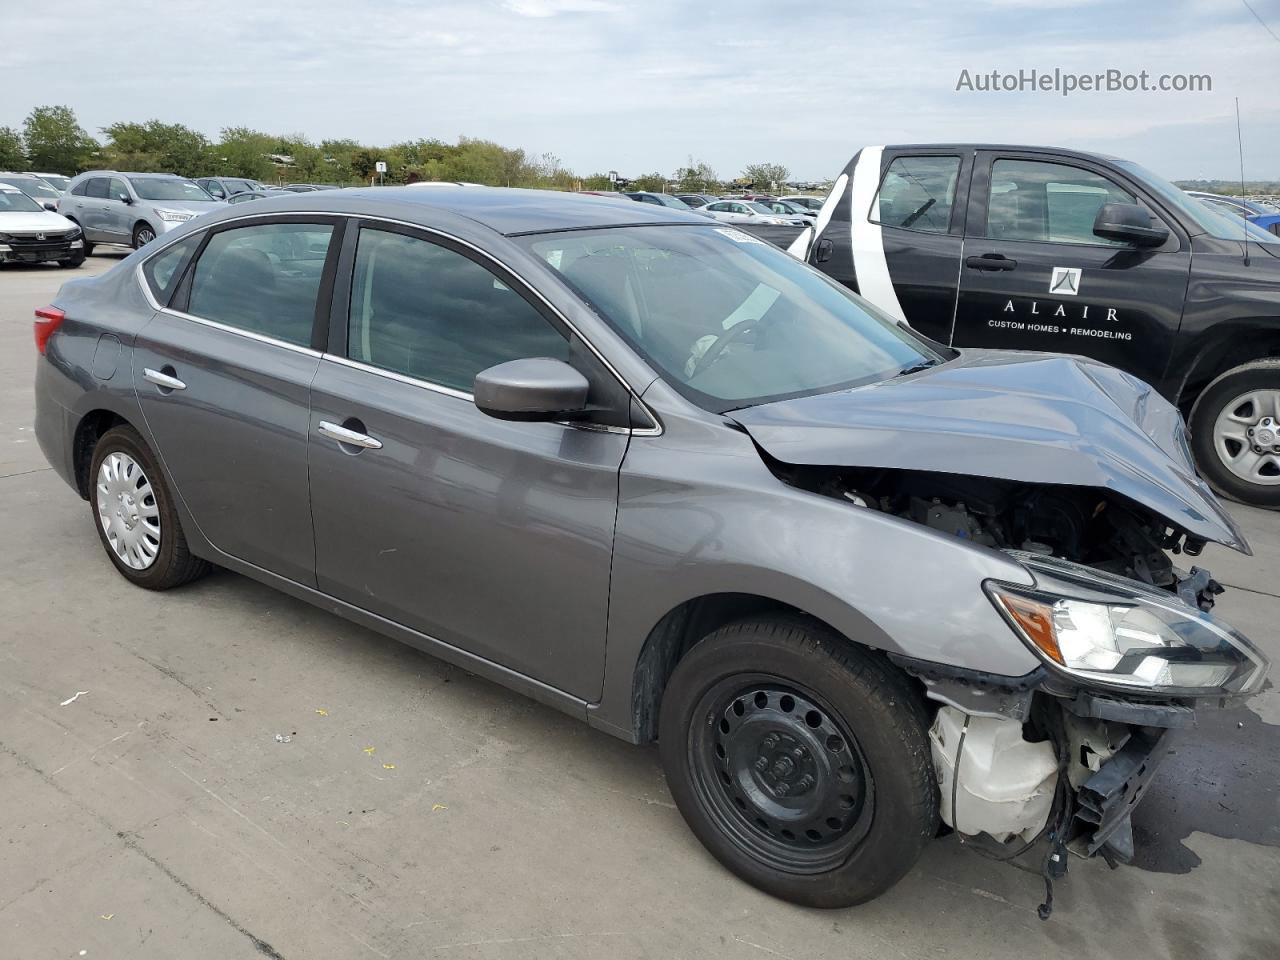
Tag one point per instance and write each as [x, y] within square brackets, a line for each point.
[350, 437]
[990, 261]
[163, 380]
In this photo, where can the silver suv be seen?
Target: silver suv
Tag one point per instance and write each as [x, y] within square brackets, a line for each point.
[131, 208]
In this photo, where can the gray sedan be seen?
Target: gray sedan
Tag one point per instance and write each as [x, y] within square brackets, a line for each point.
[654, 472]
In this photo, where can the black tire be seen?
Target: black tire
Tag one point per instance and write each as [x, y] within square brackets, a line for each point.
[857, 731]
[143, 234]
[173, 563]
[1212, 402]
[88, 247]
[72, 263]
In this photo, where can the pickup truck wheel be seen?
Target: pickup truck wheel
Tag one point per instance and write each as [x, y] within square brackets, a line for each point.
[1235, 433]
[134, 514]
[800, 761]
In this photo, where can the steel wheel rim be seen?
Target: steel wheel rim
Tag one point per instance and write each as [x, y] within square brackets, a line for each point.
[127, 511]
[1246, 437]
[776, 780]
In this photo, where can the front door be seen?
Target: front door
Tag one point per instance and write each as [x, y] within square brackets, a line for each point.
[223, 380]
[492, 536]
[1035, 277]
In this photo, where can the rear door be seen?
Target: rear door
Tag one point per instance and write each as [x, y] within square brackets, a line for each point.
[1036, 277]
[492, 536]
[93, 209]
[117, 218]
[223, 372]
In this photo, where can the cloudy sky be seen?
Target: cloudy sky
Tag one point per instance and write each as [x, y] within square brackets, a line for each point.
[639, 85]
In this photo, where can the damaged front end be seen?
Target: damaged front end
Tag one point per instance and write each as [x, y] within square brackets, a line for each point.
[1057, 760]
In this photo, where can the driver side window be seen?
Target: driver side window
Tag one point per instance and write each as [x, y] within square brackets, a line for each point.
[917, 193]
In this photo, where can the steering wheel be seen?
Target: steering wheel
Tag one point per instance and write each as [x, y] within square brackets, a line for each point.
[729, 336]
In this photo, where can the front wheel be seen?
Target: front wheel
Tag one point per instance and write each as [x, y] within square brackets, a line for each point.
[72, 263]
[800, 761]
[1235, 433]
[142, 235]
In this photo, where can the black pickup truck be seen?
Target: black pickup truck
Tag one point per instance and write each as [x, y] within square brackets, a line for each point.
[1039, 248]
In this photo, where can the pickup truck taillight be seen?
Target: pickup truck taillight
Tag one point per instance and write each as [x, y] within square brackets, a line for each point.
[48, 319]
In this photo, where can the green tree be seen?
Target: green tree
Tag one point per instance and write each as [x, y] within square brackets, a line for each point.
[156, 146]
[652, 182]
[13, 152]
[696, 177]
[766, 175]
[56, 143]
[242, 152]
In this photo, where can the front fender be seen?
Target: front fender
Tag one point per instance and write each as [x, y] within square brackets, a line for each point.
[699, 513]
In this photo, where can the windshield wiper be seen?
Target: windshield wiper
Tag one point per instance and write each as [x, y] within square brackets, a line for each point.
[917, 367]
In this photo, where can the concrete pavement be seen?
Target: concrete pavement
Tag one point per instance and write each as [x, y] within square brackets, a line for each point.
[416, 811]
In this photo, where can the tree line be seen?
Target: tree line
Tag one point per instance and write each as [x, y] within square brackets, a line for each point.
[51, 140]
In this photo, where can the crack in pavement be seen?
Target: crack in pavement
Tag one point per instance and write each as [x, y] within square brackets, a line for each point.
[1254, 590]
[130, 841]
[24, 473]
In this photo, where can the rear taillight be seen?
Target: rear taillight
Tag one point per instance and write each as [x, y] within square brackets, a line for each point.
[48, 319]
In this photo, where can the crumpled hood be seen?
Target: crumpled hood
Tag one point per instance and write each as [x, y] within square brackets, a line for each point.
[1031, 417]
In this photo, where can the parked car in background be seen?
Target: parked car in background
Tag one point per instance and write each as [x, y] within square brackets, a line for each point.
[111, 206]
[37, 189]
[658, 199]
[696, 200]
[810, 203]
[787, 209]
[1040, 248]
[223, 188]
[309, 187]
[749, 211]
[1260, 214]
[31, 234]
[855, 584]
[55, 180]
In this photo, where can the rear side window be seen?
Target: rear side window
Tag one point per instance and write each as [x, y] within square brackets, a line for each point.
[423, 310]
[161, 271]
[917, 193]
[97, 188]
[263, 278]
[79, 189]
[1050, 202]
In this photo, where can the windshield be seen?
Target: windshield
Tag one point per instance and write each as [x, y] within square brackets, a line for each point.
[12, 201]
[729, 320]
[32, 187]
[55, 180]
[1221, 226]
[157, 188]
[757, 206]
[669, 201]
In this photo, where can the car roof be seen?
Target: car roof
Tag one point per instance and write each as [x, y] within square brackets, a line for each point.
[509, 211]
[1003, 147]
[130, 173]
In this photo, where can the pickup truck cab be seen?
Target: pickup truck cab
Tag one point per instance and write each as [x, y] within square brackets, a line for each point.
[1046, 249]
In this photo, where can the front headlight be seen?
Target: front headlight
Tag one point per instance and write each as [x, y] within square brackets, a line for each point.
[1110, 631]
[174, 216]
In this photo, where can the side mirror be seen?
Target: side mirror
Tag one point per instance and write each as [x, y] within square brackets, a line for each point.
[534, 389]
[124, 198]
[1128, 223]
[50, 205]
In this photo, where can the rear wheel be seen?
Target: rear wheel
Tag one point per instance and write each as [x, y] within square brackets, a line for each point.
[134, 514]
[800, 761]
[1235, 433]
[142, 235]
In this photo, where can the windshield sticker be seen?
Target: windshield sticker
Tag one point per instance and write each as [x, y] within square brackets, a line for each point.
[737, 236]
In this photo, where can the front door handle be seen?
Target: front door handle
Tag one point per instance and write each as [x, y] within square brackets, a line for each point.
[350, 437]
[990, 261]
[163, 380]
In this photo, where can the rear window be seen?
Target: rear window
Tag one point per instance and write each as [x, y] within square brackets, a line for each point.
[162, 270]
